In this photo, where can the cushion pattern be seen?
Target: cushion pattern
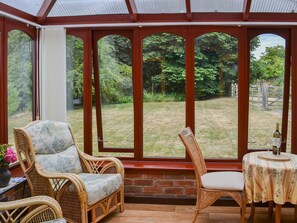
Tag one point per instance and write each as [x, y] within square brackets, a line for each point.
[99, 186]
[225, 180]
[63, 162]
[50, 137]
[59, 220]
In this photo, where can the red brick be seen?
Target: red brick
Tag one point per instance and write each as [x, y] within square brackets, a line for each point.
[192, 176]
[174, 190]
[128, 182]
[134, 175]
[133, 189]
[144, 182]
[176, 177]
[154, 176]
[153, 190]
[166, 183]
[184, 183]
[191, 191]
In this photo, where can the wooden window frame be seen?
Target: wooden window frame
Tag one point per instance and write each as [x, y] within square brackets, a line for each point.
[189, 33]
[7, 25]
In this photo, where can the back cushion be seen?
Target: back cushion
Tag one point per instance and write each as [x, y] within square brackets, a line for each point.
[54, 148]
[50, 137]
[63, 162]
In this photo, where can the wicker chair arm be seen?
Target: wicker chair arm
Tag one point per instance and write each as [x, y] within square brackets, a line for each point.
[72, 177]
[41, 208]
[102, 164]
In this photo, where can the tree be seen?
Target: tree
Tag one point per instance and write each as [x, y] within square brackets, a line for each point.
[270, 67]
[19, 72]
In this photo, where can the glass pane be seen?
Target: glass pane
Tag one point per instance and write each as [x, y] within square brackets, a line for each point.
[29, 6]
[88, 7]
[163, 95]
[267, 63]
[160, 6]
[74, 81]
[286, 6]
[115, 73]
[217, 5]
[19, 81]
[216, 77]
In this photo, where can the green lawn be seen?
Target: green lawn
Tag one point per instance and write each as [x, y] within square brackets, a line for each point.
[215, 121]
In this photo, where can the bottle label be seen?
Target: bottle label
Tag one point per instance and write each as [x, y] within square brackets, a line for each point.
[276, 142]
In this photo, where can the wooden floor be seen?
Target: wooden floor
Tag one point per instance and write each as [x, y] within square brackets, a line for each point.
[151, 213]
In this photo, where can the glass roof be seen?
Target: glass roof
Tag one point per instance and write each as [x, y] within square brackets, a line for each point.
[88, 7]
[72, 8]
[217, 5]
[278, 6]
[30, 6]
[160, 6]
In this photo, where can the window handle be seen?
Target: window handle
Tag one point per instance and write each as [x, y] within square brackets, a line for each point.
[101, 140]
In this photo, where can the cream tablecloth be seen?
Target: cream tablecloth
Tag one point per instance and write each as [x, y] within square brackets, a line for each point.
[267, 180]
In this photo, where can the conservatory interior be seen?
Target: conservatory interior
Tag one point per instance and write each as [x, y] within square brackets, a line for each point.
[129, 75]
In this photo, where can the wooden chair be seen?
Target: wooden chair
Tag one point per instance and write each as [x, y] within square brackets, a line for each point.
[31, 210]
[87, 188]
[211, 186]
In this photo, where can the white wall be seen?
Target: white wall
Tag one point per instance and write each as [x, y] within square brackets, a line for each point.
[53, 74]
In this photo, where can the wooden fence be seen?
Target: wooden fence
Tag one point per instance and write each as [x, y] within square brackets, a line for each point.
[262, 95]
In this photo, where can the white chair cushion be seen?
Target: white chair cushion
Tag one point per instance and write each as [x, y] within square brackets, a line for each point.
[223, 181]
[99, 186]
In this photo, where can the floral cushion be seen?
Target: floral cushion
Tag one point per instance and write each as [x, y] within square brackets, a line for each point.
[63, 162]
[59, 220]
[50, 137]
[99, 186]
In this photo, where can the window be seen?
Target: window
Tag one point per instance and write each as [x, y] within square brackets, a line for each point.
[20, 74]
[74, 81]
[266, 90]
[163, 95]
[114, 95]
[216, 111]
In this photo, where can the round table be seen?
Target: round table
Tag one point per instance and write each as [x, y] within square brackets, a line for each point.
[270, 180]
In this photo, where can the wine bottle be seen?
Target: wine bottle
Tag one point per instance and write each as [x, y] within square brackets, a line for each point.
[276, 141]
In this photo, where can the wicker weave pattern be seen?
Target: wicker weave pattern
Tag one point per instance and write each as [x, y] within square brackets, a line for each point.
[206, 197]
[67, 188]
[30, 210]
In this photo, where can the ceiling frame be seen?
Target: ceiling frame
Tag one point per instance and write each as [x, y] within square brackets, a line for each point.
[44, 10]
[132, 9]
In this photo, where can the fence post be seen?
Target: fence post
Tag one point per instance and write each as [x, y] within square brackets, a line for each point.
[265, 96]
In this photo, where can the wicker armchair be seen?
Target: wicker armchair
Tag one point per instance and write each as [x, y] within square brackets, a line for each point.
[31, 210]
[211, 186]
[87, 188]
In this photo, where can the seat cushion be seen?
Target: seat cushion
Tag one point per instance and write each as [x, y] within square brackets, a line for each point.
[99, 186]
[223, 181]
[59, 220]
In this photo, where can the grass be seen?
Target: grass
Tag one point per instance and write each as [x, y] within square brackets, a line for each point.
[215, 120]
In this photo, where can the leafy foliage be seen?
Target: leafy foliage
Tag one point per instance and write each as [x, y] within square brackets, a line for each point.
[19, 72]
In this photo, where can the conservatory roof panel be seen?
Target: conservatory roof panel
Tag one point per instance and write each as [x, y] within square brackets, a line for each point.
[160, 6]
[274, 6]
[217, 5]
[88, 7]
[29, 6]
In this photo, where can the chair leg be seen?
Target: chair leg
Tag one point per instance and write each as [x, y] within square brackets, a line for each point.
[195, 215]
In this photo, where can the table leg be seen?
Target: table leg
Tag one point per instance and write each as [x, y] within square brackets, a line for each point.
[295, 213]
[278, 210]
[251, 218]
